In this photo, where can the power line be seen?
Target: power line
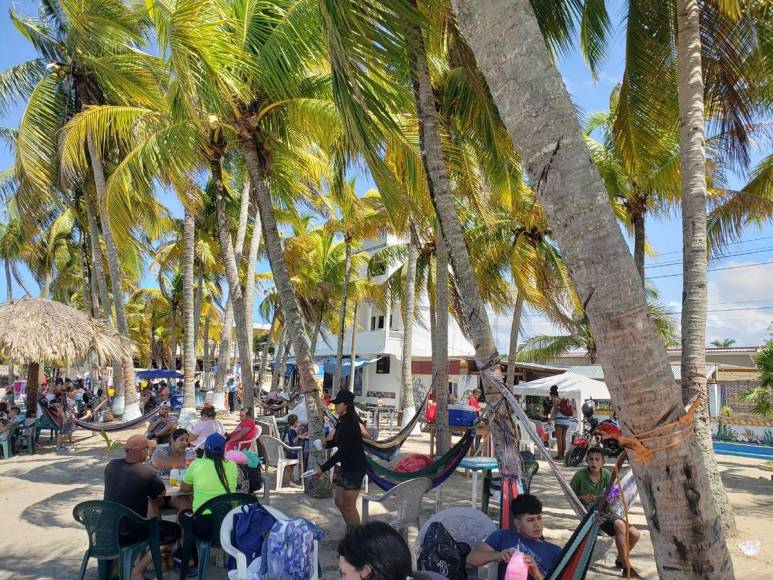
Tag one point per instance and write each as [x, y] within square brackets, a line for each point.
[715, 269]
[661, 254]
[679, 262]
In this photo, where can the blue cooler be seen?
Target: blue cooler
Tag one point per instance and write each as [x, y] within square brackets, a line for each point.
[461, 415]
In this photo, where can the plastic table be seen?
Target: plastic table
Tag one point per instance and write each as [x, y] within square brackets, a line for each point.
[476, 464]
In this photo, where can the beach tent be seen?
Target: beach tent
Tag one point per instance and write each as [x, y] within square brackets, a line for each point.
[570, 385]
[152, 374]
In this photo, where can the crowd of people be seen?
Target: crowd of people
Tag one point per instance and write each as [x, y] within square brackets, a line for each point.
[203, 457]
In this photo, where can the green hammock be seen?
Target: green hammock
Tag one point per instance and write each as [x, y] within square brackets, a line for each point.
[379, 472]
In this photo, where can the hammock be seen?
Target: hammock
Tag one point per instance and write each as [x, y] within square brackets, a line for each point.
[386, 449]
[576, 555]
[100, 427]
[440, 470]
[109, 427]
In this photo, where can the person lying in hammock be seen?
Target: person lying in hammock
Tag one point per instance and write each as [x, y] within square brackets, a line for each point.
[540, 556]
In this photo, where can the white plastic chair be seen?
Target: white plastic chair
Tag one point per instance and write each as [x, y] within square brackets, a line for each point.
[268, 425]
[407, 496]
[276, 457]
[466, 525]
[241, 559]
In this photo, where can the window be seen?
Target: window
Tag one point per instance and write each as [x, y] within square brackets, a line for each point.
[382, 365]
[377, 322]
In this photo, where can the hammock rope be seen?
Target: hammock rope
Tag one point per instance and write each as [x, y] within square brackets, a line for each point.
[576, 554]
[525, 423]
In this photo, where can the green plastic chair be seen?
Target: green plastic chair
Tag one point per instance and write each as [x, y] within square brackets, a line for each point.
[102, 521]
[218, 508]
[44, 423]
[6, 438]
[530, 467]
[25, 435]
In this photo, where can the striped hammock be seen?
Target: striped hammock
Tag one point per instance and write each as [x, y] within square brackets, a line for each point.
[101, 427]
[388, 448]
[440, 470]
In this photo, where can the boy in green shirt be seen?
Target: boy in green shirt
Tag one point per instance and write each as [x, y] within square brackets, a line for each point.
[590, 484]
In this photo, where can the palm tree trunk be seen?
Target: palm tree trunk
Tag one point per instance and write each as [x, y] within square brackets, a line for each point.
[638, 243]
[319, 486]
[125, 389]
[694, 246]
[317, 330]
[279, 356]
[249, 296]
[243, 319]
[228, 312]
[86, 281]
[99, 273]
[515, 330]
[223, 356]
[264, 354]
[353, 352]
[207, 366]
[406, 390]
[440, 354]
[9, 298]
[342, 319]
[189, 345]
[19, 279]
[173, 346]
[527, 89]
[197, 300]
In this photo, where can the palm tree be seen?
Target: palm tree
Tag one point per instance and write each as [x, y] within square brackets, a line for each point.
[189, 345]
[761, 396]
[535, 107]
[88, 54]
[723, 343]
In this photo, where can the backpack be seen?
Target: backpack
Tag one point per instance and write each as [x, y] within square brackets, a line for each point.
[250, 528]
[252, 478]
[566, 407]
[442, 554]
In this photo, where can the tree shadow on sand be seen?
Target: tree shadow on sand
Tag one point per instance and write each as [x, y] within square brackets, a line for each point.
[56, 510]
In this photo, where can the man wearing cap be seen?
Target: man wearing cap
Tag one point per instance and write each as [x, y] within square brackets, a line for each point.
[132, 483]
[162, 426]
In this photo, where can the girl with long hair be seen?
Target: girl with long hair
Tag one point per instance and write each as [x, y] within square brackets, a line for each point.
[347, 437]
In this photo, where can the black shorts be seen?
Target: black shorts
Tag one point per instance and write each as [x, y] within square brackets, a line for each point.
[608, 527]
[348, 479]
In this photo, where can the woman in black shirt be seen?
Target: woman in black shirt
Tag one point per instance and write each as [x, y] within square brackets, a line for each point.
[347, 437]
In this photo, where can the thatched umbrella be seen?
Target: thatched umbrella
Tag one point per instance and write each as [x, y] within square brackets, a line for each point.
[36, 330]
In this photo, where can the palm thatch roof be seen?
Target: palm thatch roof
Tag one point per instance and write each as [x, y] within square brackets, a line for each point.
[38, 330]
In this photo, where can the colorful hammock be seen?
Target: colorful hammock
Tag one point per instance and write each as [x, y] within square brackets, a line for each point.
[440, 470]
[101, 427]
[386, 449]
[576, 555]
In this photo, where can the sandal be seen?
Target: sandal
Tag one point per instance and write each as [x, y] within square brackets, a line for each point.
[630, 573]
[619, 564]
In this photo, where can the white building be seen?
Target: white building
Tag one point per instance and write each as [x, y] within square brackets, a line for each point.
[379, 339]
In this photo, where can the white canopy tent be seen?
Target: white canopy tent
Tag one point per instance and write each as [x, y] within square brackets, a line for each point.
[570, 385]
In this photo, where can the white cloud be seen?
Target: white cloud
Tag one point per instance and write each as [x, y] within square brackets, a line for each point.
[744, 295]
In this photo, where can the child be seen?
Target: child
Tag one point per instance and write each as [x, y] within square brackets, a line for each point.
[590, 484]
[293, 439]
[540, 556]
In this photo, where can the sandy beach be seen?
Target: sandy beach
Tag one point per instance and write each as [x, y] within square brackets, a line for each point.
[40, 539]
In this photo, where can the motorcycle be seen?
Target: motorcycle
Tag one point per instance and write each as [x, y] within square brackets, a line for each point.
[604, 434]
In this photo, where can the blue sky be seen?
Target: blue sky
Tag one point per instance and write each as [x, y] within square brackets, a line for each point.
[740, 297]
